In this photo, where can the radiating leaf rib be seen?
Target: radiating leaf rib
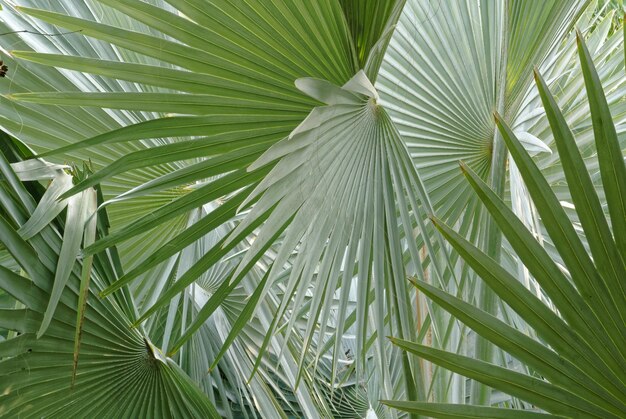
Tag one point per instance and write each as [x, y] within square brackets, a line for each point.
[605, 254]
[185, 81]
[463, 411]
[188, 175]
[215, 254]
[434, 57]
[194, 199]
[181, 125]
[549, 397]
[197, 104]
[612, 166]
[581, 268]
[565, 297]
[113, 358]
[168, 51]
[547, 363]
[274, 58]
[328, 274]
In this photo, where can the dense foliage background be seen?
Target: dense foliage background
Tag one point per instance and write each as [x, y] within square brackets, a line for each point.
[255, 208]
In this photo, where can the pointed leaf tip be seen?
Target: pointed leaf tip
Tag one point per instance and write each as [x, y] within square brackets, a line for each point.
[536, 73]
[579, 34]
[579, 38]
[414, 282]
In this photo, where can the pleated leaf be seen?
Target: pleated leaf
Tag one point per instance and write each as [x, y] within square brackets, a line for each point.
[120, 372]
[588, 294]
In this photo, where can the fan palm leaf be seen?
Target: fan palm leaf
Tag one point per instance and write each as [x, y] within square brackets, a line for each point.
[579, 362]
[119, 370]
[297, 130]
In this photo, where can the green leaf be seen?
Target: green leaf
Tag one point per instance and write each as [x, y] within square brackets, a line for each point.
[565, 338]
[457, 411]
[605, 253]
[552, 398]
[214, 255]
[578, 314]
[197, 104]
[348, 185]
[199, 229]
[194, 199]
[85, 277]
[77, 214]
[558, 370]
[243, 318]
[22, 289]
[610, 156]
[23, 253]
[119, 371]
[581, 268]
